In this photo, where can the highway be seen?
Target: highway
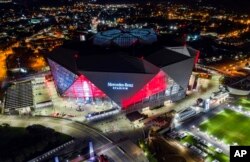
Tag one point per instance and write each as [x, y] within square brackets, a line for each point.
[81, 132]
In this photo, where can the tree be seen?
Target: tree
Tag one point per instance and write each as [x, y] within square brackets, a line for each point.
[40, 146]
[27, 152]
[19, 158]
[6, 125]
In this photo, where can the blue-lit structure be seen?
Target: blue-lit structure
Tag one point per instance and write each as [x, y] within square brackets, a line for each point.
[63, 77]
[125, 38]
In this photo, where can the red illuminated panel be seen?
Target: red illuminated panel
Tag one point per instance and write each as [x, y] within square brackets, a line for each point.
[156, 85]
[197, 57]
[82, 87]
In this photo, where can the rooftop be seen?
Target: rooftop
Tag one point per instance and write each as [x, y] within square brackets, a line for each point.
[119, 62]
[125, 38]
[141, 58]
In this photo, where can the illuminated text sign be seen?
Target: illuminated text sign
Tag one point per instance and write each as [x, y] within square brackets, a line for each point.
[120, 86]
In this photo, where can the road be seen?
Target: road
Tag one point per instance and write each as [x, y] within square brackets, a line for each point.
[83, 132]
[231, 68]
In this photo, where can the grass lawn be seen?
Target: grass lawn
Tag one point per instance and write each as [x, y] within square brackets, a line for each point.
[229, 126]
[189, 139]
[245, 103]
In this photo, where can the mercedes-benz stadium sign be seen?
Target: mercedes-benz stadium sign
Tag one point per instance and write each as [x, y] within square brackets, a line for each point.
[120, 86]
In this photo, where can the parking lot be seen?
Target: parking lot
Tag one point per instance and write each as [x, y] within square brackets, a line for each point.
[199, 146]
[40, 95]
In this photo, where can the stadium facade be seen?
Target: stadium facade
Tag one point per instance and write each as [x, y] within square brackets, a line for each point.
[97, 73]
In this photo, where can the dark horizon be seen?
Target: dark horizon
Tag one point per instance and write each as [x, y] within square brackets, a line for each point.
[239, 6]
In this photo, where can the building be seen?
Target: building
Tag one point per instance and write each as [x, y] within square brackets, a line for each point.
[127, 68]
[19, 98]
[239, 86]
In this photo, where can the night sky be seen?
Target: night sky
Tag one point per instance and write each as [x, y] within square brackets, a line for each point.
[239, 6]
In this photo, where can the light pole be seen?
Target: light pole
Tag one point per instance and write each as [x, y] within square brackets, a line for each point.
[143, 132]
[18, 63]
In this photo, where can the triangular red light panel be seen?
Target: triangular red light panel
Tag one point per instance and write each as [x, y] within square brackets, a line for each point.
[82, 87]
[154, 86]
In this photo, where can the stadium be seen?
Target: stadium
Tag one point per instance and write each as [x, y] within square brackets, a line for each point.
[129, 69]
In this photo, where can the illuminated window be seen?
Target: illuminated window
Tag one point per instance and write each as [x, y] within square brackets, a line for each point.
[82, 87]
[156, 85]
[62, 77]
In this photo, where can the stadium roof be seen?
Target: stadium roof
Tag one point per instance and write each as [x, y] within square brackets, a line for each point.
[166, 56]
[125, 38]
[144, 59]
[64, 57]
[118, 62]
